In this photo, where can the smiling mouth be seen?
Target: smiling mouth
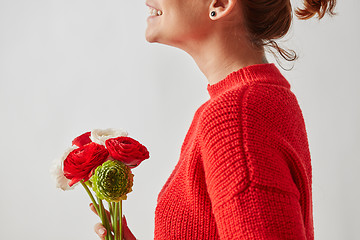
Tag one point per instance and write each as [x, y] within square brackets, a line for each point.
[154, 12]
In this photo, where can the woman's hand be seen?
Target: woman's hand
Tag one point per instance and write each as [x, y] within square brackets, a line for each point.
[100, 230]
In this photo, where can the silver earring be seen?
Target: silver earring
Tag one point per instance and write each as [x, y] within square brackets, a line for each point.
[213, 13]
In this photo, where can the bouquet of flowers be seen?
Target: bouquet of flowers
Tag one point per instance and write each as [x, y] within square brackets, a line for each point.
[102, 160]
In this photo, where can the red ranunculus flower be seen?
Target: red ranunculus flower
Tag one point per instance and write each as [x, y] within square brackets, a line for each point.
[80, 162]
[127, 150]
[82, 139]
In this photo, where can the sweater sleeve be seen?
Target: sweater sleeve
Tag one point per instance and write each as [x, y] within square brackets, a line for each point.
[248, 176]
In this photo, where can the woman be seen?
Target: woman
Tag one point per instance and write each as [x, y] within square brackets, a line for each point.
[245, 168]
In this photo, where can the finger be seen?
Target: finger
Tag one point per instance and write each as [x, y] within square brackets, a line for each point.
[127, 233]
[100, 230]
[92, 207]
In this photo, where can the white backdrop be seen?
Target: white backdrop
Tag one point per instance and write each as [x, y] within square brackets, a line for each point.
[67, 67]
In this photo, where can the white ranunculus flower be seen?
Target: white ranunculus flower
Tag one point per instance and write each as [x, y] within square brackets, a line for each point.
[57, 172]
[99, 136]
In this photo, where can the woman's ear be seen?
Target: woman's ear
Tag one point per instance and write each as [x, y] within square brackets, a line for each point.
[220, 8]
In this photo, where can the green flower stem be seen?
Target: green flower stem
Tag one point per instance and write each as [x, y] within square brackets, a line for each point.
[113, 215]
[100, 210]
[120, 221]
[111, 211]
[116, 228]
[104, 219]
[110, 208]
[90, 195]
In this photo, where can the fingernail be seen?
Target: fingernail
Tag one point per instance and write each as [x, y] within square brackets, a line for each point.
[101, 231]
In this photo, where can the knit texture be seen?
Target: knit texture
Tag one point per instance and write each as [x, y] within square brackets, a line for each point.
[244, 170]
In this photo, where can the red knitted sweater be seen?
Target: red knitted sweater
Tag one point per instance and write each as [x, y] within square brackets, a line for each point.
[244, 170]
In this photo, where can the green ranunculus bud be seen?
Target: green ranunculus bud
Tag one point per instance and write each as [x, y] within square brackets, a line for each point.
[112, 181]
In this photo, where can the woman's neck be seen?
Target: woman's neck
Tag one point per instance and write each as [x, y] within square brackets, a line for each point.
[219, 56]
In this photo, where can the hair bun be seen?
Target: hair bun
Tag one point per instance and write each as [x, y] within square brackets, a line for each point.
[312, 7]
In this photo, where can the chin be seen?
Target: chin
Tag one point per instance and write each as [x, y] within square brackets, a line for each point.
[150, 39]
[156, 37]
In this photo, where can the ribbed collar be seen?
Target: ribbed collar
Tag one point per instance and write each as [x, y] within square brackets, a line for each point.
[265, 73]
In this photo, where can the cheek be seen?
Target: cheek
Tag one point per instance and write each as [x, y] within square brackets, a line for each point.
[185, 23]
[182, 21]
[173, 24]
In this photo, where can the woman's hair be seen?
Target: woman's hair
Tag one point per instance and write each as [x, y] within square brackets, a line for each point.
[266, 20]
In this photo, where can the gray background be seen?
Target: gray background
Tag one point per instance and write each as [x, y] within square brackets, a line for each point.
[67, 67]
